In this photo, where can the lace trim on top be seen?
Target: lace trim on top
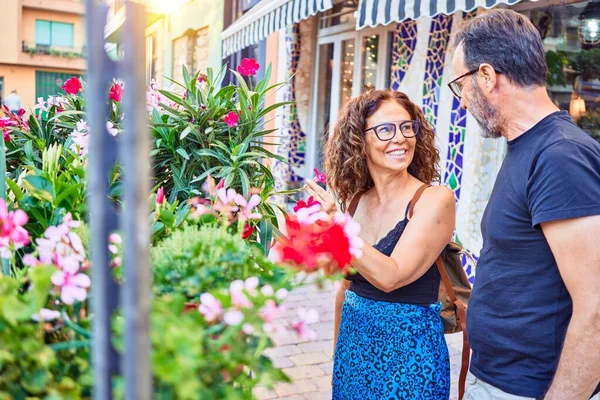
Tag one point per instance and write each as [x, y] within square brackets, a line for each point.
[387, 243]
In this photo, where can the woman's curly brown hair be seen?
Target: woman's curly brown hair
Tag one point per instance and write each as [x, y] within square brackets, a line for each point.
[345, 149]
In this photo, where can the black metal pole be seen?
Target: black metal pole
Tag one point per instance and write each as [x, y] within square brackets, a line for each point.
[103, 219]
[135, 154]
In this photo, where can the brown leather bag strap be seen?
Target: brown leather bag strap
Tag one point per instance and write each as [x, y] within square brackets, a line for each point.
[354, 203]
[415, 199]
[461, 312]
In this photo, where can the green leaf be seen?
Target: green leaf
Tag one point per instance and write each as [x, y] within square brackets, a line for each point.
[241, 80]
[39, 186]
[265, 235]
[15, 189]
[245, 183]
[183, 153]
[185, 132]
[273, 107]
[66, 193]
[167, 217]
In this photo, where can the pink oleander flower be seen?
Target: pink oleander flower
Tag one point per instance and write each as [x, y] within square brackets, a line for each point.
[245, 212]
[319, 176]
[238, 298]
[30, 260]
[72, 283]
[305, 204]
[115, 238]
[248, 67]
[226, 198]
[6, 136]
[46, 315]
[248, 329]
[12, 234]
[116, 92]
[202, 78]
[160, 196]
[210, 307]
[305, 318]
[21, 112]
[116, 262]
[72, 86]
[231, 119]
[269, 311]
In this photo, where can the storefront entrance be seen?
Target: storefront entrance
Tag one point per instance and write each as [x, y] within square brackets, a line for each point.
[347, 63]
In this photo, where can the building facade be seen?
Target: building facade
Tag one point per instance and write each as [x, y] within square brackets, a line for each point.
[43, 44]
[178, 33]
[331, 50]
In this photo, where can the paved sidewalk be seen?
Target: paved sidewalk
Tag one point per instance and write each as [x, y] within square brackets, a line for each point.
[309, 363]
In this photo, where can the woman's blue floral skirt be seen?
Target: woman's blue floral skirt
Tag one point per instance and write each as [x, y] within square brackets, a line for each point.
[390, 351]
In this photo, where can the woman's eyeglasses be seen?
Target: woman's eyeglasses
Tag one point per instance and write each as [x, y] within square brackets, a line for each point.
[387, 130]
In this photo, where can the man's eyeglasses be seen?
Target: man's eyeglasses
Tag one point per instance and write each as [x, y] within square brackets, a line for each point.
[456, 87]
[387, 130]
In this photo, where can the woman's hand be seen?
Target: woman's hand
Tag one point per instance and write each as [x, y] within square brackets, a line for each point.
[321, 195]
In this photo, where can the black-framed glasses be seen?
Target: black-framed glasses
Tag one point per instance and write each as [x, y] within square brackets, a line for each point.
[456, 87]
[387, 130]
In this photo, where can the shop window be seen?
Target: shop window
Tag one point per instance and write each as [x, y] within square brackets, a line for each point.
[571, 35]
[51, 33]
[369, 51]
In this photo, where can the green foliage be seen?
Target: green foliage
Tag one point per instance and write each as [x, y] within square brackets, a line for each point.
[30, 368]
[191, 140]
[556, 62]
[51, 191]
[195, 260]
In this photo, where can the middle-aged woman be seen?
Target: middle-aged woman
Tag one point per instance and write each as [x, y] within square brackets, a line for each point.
[388, 332]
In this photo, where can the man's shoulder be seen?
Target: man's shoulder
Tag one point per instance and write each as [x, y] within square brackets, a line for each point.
[563, 136]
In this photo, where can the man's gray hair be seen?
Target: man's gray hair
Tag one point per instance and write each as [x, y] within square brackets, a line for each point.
[507, 41]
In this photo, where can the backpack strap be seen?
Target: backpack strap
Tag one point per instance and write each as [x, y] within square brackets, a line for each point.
[461, 310]
[354, 203]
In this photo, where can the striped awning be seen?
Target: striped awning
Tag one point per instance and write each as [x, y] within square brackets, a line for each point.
[265, 18]
[383, 12]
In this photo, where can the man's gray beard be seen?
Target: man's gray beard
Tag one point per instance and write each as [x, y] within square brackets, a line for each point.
[487, 115]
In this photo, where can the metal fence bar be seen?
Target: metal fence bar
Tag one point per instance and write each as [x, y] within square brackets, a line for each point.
[103, 219]
[135, 154]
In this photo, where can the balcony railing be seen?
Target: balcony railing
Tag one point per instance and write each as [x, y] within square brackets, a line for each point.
[58, 51]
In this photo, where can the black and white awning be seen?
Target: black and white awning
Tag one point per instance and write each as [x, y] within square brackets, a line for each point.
[383, 12]
[267, 17]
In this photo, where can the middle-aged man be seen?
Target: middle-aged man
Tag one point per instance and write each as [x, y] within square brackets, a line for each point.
[534, 315]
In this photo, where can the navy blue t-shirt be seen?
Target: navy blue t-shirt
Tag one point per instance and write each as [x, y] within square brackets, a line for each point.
[520, 309]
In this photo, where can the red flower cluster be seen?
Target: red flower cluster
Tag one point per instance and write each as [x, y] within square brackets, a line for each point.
[248, 67]
[12, 121]
[231, 119]
[72, 86]
[304, 204]
[315, 240]
[116, 92]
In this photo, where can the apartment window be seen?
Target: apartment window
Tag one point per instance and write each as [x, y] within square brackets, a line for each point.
[51, 33]
[190, 50]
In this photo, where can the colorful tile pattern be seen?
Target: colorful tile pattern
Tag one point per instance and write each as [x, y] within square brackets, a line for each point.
[293, 139]
[434, 65]
[404, 42]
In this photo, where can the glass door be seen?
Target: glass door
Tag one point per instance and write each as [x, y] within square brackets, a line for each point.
[347, 64]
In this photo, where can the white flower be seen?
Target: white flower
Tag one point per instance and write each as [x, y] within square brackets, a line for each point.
[46, 315]
[267, 290]
[233, 317]
[281, 294]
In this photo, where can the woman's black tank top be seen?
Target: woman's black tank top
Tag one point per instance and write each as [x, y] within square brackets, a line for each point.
[423, 291]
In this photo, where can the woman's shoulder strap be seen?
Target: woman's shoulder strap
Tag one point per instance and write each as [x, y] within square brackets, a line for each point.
[415, 199]
[354, 203]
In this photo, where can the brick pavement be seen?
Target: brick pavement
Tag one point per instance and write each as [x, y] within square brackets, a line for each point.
[309, 362]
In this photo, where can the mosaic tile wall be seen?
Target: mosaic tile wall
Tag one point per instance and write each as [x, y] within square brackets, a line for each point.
[403, 48]
[293, 139]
